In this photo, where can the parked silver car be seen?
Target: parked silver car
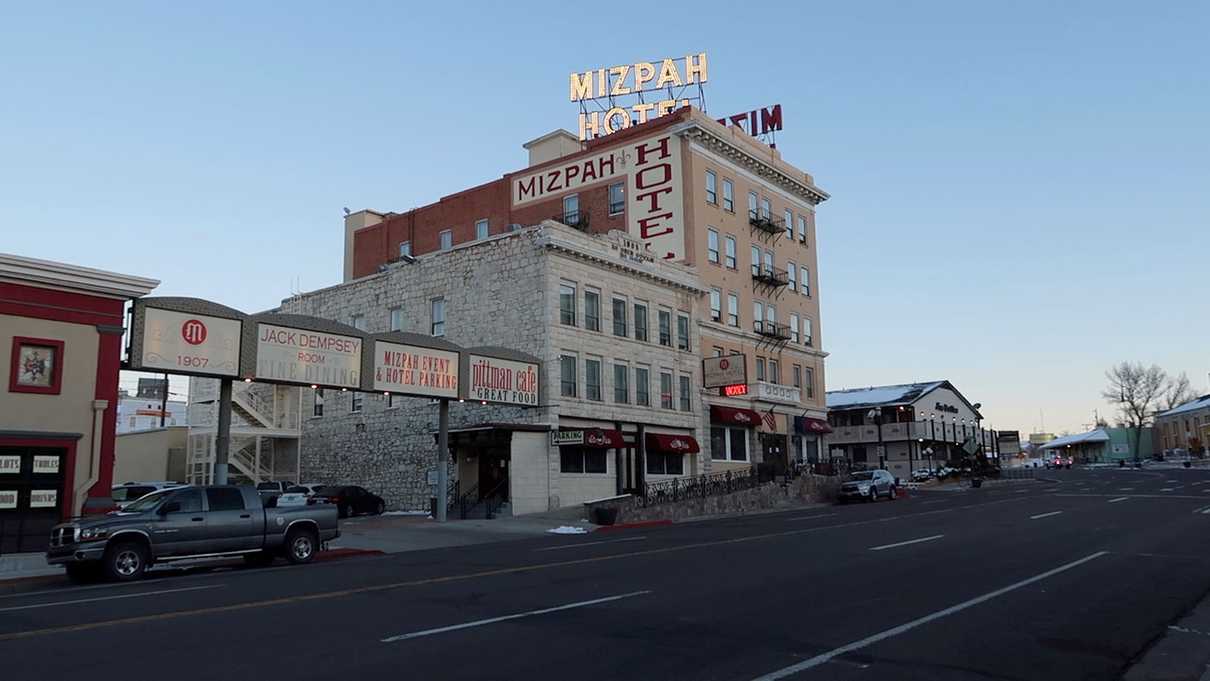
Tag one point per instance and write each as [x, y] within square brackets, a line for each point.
[868, 486]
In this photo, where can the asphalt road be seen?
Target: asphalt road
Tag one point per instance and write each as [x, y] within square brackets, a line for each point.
[1065, 580]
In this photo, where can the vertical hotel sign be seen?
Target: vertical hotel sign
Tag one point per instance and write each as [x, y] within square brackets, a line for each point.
[414, 370]
[655, 210]
[292, 355]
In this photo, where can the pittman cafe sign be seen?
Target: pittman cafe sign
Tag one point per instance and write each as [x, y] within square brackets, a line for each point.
[501, 380]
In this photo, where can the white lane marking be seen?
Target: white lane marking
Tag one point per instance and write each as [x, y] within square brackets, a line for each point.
[1166, 489]
[1114, 501]
[108, 598]
[505, 618]
[1138, 496]
[588, 543]
[935, 501]
[902, 628]
[905, 543]
[1022, 491]
[811, 517]
[1125, 489]
[1044, 515]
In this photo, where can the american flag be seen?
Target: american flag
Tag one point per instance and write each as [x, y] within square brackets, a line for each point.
[769, 419]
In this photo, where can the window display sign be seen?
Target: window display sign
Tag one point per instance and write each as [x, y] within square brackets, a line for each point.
[43, 498]
[185, 342]
[10, 465]
[8, 498]
[415, 370]
[46, 464]
[293, 355]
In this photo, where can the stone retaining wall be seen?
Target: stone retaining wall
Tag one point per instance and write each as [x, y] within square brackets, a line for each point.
[769, 496]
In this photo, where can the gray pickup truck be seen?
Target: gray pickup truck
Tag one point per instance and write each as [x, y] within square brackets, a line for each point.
[185, 523]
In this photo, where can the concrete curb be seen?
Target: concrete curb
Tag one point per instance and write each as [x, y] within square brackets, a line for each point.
[1181, 653]
[634, 525]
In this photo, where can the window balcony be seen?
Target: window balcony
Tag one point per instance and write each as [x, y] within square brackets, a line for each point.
[576, 218]
[770, 276]
[768, 225]
[772, 330]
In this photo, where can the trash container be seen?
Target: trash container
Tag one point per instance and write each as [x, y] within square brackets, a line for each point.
[433, 506]
[976, 482]
[605, 515]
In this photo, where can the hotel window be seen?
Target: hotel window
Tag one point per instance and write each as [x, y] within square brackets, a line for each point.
[794, 328]
[397, 319]
[640, 322]
[621, 387]
[760, 368]
[567, 375]
[686, 397]
[663, 463]
[752, 204]
[789, 218]
[571, 209]
[642, 386]
[728, 196]
[711, 187]
[774, 371]
[317, 409]
[768, 262]
[771, 314]
[592, 310]
[808, 378]
[729, 252]
[617, 198]
[447, 239]
[405, 248]
[792, 275]
[796, 375]
[665, 390]
[756, 261]
[355, 400]
[592, 379]
[712, 245]
[766, 208]
[716, 305]
[582, 460]
[437, 307]
[758, 316]
[481, 229]
[567, 304]
[807, 338]
[682, 332]
[665, 321]
[802, 229]
[804, 281]
[719, 352]
[391, 401]
[728, 444]
[733, 310]
[619, 318]
[358, 321]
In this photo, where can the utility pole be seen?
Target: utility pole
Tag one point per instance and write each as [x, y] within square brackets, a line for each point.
[164, 402]
[222, 439]
[443, 453]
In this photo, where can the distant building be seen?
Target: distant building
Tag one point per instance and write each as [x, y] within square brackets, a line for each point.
[904, 427]
[1102, 445]
[138, 413]
[152, 388]
[1039, 439]
[1185, 428]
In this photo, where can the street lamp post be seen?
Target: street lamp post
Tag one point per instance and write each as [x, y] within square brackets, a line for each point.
[876, 414]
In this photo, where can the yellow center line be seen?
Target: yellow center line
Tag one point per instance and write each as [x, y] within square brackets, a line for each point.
[286, 600]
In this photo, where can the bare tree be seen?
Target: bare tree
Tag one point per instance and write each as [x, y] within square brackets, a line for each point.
[1179, 391]
[1136, 391]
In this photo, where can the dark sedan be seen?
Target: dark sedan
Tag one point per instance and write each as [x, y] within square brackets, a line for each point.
[350, 500]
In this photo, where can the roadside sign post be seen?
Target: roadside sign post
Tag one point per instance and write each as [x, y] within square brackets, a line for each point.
[443, 453]
[222, 438]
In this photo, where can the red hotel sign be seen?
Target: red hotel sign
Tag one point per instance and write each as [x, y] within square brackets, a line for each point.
[500, 380]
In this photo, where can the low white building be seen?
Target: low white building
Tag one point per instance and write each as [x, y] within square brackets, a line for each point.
[138, 413]
[904, 427]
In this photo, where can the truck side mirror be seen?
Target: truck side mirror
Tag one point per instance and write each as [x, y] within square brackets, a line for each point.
[170, 507]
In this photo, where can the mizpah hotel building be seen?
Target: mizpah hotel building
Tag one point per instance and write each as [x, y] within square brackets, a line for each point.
[621, 263]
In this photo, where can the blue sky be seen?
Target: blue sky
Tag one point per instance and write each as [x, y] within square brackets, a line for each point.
[1018, 188]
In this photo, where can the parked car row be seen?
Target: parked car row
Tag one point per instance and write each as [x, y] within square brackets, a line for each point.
[349, 500]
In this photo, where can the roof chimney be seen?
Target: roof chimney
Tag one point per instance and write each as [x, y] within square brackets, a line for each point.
[552, 145]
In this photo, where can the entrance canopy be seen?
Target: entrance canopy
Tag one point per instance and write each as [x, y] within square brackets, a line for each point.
[805, 425]
[672, 444]
[734, 416]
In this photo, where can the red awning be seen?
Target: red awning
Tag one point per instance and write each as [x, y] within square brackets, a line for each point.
[601, 438]
[672, 444]
[734, 417]
[809, 426]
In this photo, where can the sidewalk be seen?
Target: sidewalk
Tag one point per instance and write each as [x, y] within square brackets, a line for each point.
[398, 533]
[1181, 654]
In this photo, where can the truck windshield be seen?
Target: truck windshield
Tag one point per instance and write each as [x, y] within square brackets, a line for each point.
[146, 503]
[121, 494]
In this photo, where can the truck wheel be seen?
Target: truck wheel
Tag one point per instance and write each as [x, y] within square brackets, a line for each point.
[380, 508]
[342, 511]
[873, 494]
[300, 546]
[125, 562]
[893, 494]
[83, 573]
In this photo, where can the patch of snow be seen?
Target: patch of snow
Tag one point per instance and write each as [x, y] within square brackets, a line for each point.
[568, 529]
